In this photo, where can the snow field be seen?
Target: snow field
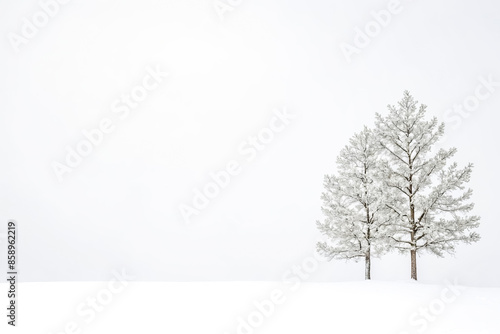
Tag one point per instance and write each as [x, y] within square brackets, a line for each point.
[255, 307]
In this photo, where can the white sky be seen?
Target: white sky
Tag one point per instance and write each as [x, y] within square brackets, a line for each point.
[120, 206]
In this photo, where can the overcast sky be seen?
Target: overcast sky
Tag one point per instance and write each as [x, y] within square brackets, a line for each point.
[231, 71]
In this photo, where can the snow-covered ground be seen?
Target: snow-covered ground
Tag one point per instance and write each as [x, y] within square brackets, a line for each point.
[254, 307]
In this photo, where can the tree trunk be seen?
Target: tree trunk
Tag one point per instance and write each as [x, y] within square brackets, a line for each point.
[413, 251]
[369, 240]
[413, 254]
[367, 265]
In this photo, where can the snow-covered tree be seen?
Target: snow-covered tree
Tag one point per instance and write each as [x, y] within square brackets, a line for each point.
[354, 204]
[432, 204]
